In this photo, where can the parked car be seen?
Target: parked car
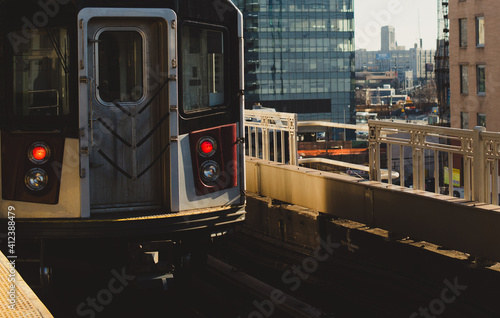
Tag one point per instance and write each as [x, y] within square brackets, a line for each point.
[457, 192]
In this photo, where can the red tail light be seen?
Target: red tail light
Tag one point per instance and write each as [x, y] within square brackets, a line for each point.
[207, 146]
[36, 175]
[213, 155]
[39, 153]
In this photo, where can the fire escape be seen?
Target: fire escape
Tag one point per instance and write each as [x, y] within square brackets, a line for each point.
[443, 63]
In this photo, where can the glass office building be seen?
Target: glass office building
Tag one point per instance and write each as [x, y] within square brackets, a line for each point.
[299, 57]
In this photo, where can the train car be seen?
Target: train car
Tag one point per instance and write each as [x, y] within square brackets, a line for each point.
[120, 119]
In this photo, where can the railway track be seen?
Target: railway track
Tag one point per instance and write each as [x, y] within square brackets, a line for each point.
[268, 300]
[219, 290]
[269, 278]
[345, 285]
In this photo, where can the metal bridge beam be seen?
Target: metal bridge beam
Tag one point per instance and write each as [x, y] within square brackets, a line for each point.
[447, 221]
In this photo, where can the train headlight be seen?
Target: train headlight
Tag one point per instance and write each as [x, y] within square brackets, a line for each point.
[207, 146]
[36, 179]
[39, 153]
[210, 171]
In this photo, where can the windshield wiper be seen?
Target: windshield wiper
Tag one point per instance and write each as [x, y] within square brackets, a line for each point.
[57, 48]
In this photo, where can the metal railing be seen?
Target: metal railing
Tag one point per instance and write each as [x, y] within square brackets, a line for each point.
[412, 144]
[487, 167]
[462, 156]
[271, 136]
[457, 162]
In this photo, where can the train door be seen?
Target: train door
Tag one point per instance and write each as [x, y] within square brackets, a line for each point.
[126, 59]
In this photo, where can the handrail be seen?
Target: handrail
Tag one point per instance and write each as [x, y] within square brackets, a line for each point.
[33, 92]
[422, 152]
[476, 152]
[337, 163]
[362, 127]
[269, 134]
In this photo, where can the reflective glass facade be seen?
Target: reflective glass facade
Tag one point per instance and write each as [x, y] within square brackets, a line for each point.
[299, 56]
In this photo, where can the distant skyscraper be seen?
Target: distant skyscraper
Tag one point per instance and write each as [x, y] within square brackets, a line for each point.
[299, 57]
[420, 62]
[388, 38]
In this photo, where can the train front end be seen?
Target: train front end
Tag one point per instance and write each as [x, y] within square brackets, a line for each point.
[120, 118]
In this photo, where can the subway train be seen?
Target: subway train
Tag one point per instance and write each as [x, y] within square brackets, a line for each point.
[121, 121]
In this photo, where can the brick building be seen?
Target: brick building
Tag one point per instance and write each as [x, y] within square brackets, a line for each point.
[474, 64]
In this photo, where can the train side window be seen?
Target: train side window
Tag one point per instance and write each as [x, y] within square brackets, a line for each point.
[202, 68]
[41, 73]
[120, 66]
[3, 81]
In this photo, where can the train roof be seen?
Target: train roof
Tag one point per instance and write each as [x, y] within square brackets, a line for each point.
[218, 11]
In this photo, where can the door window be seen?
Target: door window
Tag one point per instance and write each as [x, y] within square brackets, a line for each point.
[120, 66]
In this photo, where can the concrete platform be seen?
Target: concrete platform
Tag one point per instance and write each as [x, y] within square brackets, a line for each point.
[16, 297]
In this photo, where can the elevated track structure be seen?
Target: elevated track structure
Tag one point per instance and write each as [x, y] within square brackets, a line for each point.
[418, 152]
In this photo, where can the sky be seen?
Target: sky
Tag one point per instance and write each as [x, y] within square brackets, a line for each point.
[412, 19]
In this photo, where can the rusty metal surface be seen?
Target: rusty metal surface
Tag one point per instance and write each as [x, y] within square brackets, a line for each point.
[450, 222]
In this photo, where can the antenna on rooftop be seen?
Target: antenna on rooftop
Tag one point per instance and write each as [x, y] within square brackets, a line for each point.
[418, 25]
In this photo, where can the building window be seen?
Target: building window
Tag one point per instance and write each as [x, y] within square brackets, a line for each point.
[463, 32]
[464, 120]
[464, 79]
[481, 79]
[481, 119]
[480, 31]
